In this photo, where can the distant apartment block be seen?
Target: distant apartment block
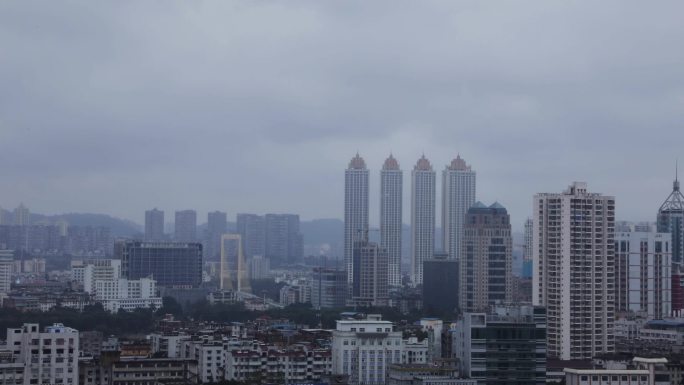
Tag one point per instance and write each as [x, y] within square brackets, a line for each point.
[185, 226]
[154, 225]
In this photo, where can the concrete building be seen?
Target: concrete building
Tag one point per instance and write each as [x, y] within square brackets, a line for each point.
[124, 294]
[425, 374]
[422, 217]
[252, 230]
[49, 357]
[486, 261]
[171, 264]
[574, 270]
[355, 209]
[284, 241]
[277, 365]
[11, 368]
[6, 266]
[328, 288]
[370, 275]
[292, 294]
[362, 349]
[217, 225]
[391, 204]
[146, 371]
[185, 226]
[647, 371]
[22, 216]
[643, 274]
[209, 354]
[506, 346]
[440, 285]
[154, 225]
[458, 194]
[259, 267]
[527, 250]
[87, 271]
[670, 219]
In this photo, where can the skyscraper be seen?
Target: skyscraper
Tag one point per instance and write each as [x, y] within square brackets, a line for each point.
[154, 225]
[486, 260]
[391, 187]
[217, 225]
[185, 228]
[422, 217]
[284, 241]
[355, 208]
[527, 250]
[370, 275]
[671, 220]
[252, 230]
[440, 285]
[643, 273]
[234, 275]
[22, 216]
[574, 270]
[458, 194]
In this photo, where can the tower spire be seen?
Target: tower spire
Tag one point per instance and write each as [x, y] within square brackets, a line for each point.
[675, 185]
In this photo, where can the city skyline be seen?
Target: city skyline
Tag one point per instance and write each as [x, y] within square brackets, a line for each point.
[516, 90]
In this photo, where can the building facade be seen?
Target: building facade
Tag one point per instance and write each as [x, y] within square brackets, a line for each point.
[440, 285]
[486, 262]
[252, 230]
[370, 275]
[505, 346]
[171, 264]
[185, 226]
[284, 241]
[422, 217]
[458, 194]
[329, 288]
[217, 225]
[154, 225]
[355, 208]
[391, 204]
[124, 294]
[643, 273]
[574, 270]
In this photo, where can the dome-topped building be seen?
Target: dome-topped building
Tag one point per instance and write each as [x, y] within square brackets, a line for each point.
[357, 163]
[390, 163]
[423, 164]
[458, 164]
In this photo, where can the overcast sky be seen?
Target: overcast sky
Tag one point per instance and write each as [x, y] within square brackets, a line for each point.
[253, 106]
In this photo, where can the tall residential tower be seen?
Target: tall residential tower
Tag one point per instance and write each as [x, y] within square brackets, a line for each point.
[422, 217]
[391, 186]
[355, 208]
[185, 227]
[574, 271]
[154, 225]
[458, 194]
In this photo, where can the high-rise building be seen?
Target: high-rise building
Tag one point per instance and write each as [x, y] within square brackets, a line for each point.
[86, 272]
[643, 273]
[574, 270]
[440, 285]
[284, 241]
[486, 261]
[527, 250]
[422, 217]
[504, 346]
[370, 275]
[458, 194]
[22, 216]
[355, 208]
[171, 264]
[234, 275]
[329, 288]
[252, 230]
[671, 220]
[6, 263]
[185, 227]
[49, 357]
[154, 225]
[217, 225]
[391, 188]
[259, 267]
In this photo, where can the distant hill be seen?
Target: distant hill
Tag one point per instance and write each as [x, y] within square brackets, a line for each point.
[118, 227]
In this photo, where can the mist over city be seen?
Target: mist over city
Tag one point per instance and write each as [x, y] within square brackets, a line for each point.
[345, 192]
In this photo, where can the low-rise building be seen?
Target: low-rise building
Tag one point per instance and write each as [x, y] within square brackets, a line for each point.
[647, 371]
[127, 294]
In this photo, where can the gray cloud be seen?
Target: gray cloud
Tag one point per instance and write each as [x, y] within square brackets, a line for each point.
[258, 106]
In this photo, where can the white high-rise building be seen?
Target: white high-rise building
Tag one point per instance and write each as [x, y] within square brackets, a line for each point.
[88, 271]
[49, 357]
[22, 216]
[391, 187]
[458, 194]
[6, 264]
[643, 273]
[154, 225]
[355, 208]
[422, 217]
[574, 270]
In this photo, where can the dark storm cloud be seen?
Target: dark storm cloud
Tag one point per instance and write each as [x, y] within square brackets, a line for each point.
[258, 106]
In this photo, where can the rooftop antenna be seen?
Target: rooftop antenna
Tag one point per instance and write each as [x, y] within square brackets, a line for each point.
[676, 181]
